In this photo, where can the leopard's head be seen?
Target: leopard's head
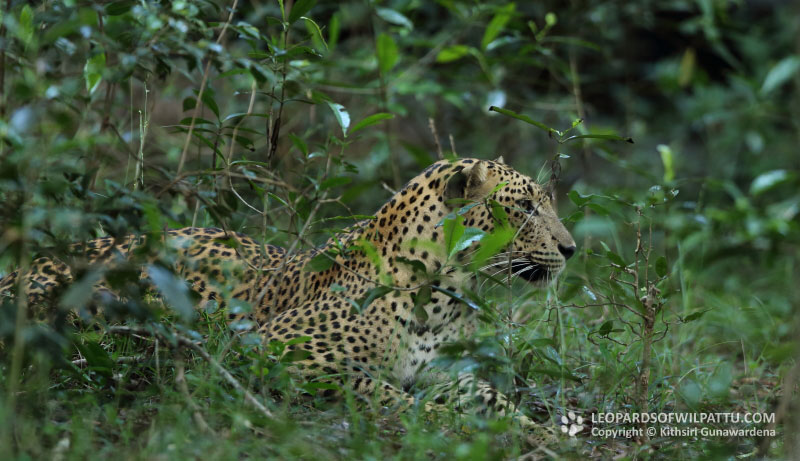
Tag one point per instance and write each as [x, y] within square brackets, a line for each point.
[541, 244]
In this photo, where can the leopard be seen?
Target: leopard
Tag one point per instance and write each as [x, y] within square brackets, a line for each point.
[399, 257]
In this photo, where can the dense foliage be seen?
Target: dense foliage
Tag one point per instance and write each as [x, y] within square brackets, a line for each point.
[290, 120]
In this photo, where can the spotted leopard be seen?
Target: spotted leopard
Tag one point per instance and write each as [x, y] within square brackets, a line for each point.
[381, 350]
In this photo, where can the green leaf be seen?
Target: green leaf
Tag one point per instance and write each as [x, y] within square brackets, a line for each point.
[229, 242]
[497, 24]
[371, 120]
[96, 357]
[189, 103]
[666, 160]
[336, 181]
[299, 144]
[316, 33]
[661, 266]
[695, 315]
[578, 199]
[321, 262]
[336, 288]
[492, 243]
[599, 209]
[387, 53]
[209, 101]
[333, 30]
[278, 199]
[341, 116]
[297, 355]
[298, 340]
[300, 8]
[780, 73]
[187, 121]
[456, 296]
[80, 292]
[537, 343]
[768, 180]
[93, 71]
[120, 7]
[25, 26]
[615, 258]
[497, 188]
[394, 17]
[524, 118]
[371, 295]
[610, 137]
[452, 53]
[470, 236]
[416, 265]
[687, 67]
[421, 298]
[242, 114]
[499, 213]
[453, 231]
[173, 289]
[312, 388]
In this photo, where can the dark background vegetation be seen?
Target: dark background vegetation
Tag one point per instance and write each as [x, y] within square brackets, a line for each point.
[102, 134]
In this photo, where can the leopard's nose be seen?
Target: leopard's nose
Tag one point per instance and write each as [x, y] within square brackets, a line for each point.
[566, 251]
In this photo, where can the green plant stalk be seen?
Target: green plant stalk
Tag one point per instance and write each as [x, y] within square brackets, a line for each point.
[387, 128]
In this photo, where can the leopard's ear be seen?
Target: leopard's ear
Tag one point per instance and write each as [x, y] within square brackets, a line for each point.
[467, 183]
[500, 160]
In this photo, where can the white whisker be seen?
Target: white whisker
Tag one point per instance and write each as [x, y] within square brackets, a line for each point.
[505, 261]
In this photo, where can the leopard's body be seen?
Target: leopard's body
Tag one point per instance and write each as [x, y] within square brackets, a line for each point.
[381, 350]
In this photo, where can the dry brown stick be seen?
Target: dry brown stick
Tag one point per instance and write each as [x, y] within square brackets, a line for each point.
[199, 102]
[432, 126]
[184, 341]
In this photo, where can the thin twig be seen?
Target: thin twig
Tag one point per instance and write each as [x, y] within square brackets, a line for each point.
[435, 134]
[453, 145]
[199, 102]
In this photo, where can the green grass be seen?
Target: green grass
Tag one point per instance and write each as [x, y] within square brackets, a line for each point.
[134, 409]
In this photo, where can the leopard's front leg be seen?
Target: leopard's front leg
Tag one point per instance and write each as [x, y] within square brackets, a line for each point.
[388, 395]
[473, 390]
